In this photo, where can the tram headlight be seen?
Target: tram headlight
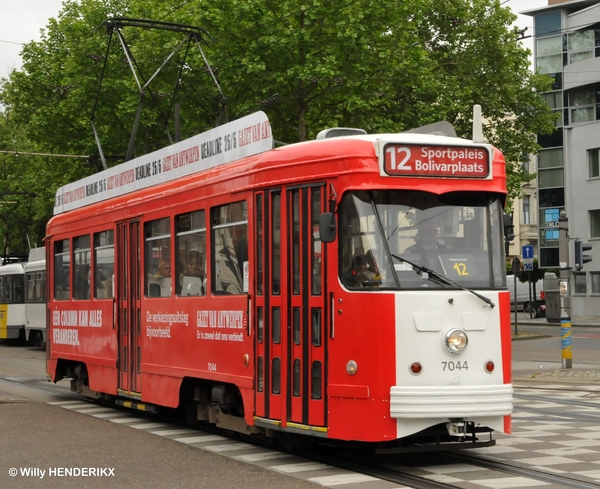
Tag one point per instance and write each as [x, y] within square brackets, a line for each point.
[456, 341]
[351, 367]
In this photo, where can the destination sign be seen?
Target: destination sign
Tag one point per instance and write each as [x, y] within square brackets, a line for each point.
[436, 161]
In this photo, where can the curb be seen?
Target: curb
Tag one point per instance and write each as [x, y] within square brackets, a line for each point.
[559, 375]
[529, 336]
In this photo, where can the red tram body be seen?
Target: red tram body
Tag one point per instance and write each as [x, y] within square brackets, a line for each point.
[275, 331]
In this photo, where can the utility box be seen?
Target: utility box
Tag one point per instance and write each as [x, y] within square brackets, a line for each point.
[552, 292]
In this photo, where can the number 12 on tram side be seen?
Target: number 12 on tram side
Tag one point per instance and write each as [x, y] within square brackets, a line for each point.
[348, 288]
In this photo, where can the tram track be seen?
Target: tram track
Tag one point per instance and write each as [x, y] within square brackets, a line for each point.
[558, 400]
[517, 469]
[406, 470]
[43, 385]
[588, 417]
[405, 475]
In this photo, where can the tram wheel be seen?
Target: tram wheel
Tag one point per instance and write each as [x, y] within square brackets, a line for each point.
[36, 338]
[290, 442]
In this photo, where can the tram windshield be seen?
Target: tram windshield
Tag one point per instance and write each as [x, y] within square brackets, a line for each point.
[399, 239]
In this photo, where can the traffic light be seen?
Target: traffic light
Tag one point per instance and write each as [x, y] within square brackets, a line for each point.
[509, 231]
[509, 228]
[580, 256]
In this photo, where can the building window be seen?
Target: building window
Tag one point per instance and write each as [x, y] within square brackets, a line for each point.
[553, 197]
[595, 279]
[550, 158]
[593, 163]
[551, 234]
[549, 54]
[526, 209]
[551, 178]
[554, 101]
[581, 45]
[549, 216]
[547, 24]
[595, 223]
[579, 284]
[582, 106]
[549, 222]
[553, 140]
[549, 257]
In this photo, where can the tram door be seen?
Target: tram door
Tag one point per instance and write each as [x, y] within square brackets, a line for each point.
[128, 305]
[289, 307]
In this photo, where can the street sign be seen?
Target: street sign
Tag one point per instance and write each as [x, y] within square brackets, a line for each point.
[527, 252]
[527, 266]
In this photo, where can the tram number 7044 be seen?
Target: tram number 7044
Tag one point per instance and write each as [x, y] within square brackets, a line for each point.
[451, 366]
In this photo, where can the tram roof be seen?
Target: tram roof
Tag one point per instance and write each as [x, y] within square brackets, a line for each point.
[215, 149]
[12, 269]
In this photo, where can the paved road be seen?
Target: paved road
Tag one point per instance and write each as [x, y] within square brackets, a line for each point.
[38, 437]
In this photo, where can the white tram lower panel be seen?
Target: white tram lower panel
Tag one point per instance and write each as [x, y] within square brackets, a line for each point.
[449, 387]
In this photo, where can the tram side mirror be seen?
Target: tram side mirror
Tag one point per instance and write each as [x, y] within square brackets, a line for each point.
[327, 227]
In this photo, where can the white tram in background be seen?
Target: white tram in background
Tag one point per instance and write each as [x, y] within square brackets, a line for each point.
[23, 299]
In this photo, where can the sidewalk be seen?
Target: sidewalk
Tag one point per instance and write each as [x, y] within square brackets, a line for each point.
[554, 371]
[582, 321]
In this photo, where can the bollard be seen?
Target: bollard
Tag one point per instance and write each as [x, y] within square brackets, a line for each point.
[565, 342]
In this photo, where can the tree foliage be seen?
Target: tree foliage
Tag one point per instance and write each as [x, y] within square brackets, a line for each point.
[309, 64]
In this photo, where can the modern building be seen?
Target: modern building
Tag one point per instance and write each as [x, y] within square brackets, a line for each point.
[567, 48]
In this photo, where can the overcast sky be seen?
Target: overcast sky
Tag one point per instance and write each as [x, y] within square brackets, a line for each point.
[21, 21]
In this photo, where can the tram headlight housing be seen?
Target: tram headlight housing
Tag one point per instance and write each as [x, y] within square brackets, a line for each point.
[456, 341]
[351, 367]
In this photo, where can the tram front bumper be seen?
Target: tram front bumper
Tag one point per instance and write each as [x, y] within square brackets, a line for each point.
[426, 402]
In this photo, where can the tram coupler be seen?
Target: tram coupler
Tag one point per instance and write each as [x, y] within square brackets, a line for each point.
[457, 427]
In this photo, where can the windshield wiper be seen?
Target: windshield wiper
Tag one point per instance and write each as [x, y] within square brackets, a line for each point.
[442, 279]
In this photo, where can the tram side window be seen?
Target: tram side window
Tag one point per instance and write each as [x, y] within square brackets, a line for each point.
[82, 257]
[316, 258]
[191, 254]
[229, 226]
[30, 286]
[157, 257]
[104, 265]
[19, 288]
[36, 287]
[62, 270]
[12, 289]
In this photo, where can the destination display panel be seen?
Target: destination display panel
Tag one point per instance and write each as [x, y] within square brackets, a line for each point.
[436, 161]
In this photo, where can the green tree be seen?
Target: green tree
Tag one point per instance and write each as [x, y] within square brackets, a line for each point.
[24, 193]
[308, 64]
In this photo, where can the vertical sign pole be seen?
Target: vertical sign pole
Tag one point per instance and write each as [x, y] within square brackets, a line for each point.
[565, 299]
[516, 270]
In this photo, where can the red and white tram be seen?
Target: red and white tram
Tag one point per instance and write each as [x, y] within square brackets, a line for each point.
[291, 291]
